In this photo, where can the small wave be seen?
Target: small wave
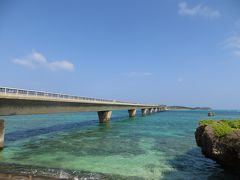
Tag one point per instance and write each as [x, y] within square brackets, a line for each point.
[49, 173]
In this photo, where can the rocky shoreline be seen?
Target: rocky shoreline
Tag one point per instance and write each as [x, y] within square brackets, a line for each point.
[8, 176]
[28, 172]
[220, 141]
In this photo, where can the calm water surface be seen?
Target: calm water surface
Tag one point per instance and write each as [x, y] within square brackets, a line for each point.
[158, 146]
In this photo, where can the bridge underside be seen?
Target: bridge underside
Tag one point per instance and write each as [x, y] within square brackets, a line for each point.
[23, 106]
[18, 106]
[22, 102]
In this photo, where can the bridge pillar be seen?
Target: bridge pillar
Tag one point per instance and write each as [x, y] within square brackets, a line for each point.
[132, 112]
[144, 111]
[150, 110]
[1, 134]
[104, 116]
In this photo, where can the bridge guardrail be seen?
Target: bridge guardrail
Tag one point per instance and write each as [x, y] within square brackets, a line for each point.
[15, 91]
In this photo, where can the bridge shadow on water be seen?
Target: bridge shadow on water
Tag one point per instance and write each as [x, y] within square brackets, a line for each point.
[193, 165]
[75, 140]
[20, 135]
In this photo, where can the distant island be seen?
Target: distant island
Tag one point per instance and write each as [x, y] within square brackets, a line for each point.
[187, 108]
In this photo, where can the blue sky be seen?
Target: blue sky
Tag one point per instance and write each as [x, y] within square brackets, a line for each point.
[167, 52]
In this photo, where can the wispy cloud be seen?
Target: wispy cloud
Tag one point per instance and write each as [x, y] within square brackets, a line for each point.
[180, 80]
[237, 53]
[36, 59]
[137, 74]
[197, 10]
[233, 43]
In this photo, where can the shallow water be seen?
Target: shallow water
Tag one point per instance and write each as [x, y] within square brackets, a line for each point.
[158, 146]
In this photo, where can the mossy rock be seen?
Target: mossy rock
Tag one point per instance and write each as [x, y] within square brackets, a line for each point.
[220, 141]
[221, 128]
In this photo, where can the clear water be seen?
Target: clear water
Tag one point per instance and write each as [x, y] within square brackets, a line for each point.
[158, 146]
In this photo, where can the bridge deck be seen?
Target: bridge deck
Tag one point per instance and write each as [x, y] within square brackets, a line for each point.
[41, 95]
[18, 101]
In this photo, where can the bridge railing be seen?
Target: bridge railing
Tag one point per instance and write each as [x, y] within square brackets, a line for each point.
[15, 91]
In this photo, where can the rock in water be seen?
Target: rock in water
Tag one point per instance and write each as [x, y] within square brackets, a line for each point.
[211, 114]
[224, 150]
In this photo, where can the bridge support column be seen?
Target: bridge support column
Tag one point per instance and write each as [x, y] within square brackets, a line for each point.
[132, 112]
[104, 116]
[150, 110]
[1, 134]
[144, 111]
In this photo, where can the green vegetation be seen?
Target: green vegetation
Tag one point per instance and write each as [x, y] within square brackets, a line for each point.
[222, 127]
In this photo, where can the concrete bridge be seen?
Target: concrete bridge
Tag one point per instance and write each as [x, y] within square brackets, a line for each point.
[20, 101]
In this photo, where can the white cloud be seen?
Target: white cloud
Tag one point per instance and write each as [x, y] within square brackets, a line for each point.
[198, 10]
[24, 62]
[35, 60]
[233, 43]
[137, 74]
[64, 65]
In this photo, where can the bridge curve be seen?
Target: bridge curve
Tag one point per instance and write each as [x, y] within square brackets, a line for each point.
[21, 102]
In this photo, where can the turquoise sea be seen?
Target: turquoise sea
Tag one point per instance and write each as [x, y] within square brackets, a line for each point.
[74, 145]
